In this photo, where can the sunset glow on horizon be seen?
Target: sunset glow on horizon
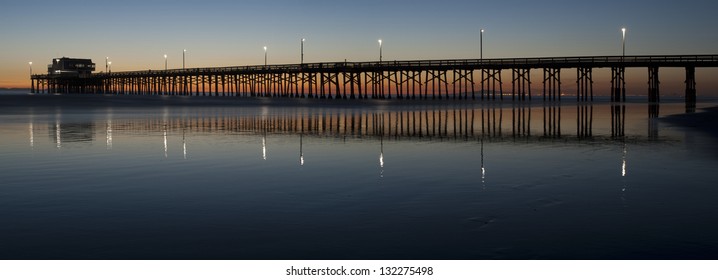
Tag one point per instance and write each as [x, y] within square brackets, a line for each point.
[136, 35]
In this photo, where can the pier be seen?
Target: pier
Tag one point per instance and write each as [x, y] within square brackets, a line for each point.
[464, 79]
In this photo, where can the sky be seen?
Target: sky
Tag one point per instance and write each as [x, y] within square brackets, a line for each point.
[135, 35]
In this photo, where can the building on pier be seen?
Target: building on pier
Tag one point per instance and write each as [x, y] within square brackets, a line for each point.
[71, 67]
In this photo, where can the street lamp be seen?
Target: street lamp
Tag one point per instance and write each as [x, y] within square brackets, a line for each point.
[481, 44]
[30, 63]
[183, 55]
[302, 49]
[165, 62]
[109, 64]
[623, 32]
[265, 55]
[380, 47]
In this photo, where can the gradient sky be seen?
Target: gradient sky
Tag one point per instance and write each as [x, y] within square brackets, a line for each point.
[136, 34]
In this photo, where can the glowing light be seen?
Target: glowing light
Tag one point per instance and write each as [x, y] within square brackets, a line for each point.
[380, 51]
[623, 32]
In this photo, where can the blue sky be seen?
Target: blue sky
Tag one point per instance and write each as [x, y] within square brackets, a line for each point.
[136, 34]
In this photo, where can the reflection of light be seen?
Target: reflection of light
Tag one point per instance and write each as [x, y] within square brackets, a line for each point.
[264, 147]
[32, 136]
[381, 158]
[109, 134]
[301, 145]
[58, 138]
[165, 137]
[165, 116]
[184, 147]
[483, 170]
[623, 162]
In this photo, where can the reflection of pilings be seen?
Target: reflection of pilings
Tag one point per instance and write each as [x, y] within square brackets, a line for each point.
[552, 121]
[653, 120]
[618, 120]
[584, 121]
[521, 121]
[436, 123]
[491, 121]
[690, 89]
[653, 85]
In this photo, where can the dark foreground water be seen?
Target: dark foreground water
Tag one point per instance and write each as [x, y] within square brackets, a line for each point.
[481, 181]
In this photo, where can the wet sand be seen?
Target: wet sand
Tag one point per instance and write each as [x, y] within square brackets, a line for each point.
[704, 120]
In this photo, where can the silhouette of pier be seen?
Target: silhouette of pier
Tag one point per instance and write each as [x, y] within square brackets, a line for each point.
[420, 79]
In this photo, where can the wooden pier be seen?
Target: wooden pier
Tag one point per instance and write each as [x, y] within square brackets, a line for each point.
[420, 79]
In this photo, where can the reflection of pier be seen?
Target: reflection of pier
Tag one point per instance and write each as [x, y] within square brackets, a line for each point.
[618, 121]
[489, 123]
[492, 122]
[63, 132]
[427, 79]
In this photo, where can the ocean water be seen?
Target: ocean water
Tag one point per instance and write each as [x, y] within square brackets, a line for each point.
[451, 181]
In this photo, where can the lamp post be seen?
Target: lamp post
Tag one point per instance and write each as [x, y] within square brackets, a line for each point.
[481, 44]
[183, 55]
[109, 64]
[106, 64]
[380, 48]
[265, 55]
[30, 63]
[302, 51]
[165, 62]
[623, 32]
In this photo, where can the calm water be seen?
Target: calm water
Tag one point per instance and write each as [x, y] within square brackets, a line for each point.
[476, 181]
